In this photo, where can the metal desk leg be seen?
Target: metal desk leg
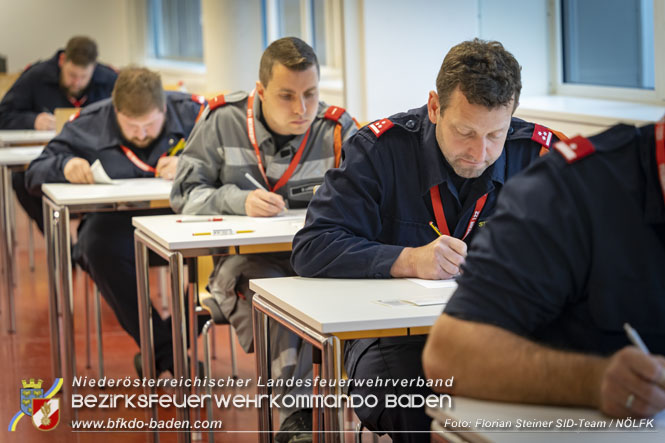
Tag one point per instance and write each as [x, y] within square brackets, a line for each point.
[331, 369]
[51, 222]
[178, 317]
[8, 243]
[262, 354]
[192, 271]
[145, 323]
[64, 267]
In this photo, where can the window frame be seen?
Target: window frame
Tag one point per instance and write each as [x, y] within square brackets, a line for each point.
[654, 96]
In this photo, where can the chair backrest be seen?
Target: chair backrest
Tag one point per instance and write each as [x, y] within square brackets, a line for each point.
[62, 116]
[203, 273]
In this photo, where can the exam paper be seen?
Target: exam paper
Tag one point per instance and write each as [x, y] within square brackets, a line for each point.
[99, 174]
[433, 284]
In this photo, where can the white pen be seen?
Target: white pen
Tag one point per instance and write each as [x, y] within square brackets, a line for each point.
[258, 185]
[635, 338]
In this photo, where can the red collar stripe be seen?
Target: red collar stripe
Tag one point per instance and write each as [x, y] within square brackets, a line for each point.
[659, 131]
[137, 161]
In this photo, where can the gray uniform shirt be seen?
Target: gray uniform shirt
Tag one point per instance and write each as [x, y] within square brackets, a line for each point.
[211, 171]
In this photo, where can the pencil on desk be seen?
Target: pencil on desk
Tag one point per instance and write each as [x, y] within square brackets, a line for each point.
[199, 220]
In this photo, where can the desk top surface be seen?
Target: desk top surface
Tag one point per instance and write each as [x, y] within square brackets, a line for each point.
[124, 190]
[498, 422]
[174, 235]
[351, 305]
[19, 156]
[9, 136]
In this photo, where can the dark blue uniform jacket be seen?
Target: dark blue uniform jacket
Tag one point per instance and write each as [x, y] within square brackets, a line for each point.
[575, 250]
[95, 134]
[378, 201]
[38, 90]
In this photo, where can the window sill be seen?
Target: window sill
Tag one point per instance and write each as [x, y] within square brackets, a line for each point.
[588, 111]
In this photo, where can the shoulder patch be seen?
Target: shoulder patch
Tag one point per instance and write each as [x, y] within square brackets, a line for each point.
[381, 126]
[542, 135]
[334, 113]
[198, 99]
[575, 149]
[217, 102]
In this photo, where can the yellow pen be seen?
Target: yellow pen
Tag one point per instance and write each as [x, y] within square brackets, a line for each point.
[433, 226]
[177, 148]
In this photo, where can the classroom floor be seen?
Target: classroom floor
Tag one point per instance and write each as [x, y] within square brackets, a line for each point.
[26, 354]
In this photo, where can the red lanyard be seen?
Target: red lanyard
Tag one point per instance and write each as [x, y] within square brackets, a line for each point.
[660, 152]
[137, 161]
[252, 139]
[77, 103]
[441, 216]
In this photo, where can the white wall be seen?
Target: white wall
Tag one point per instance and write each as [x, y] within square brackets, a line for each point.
[32, 30]
[404, 43]
[523, 28]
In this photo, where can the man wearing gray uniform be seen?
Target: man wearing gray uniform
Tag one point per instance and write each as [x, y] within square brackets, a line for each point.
[286, 139]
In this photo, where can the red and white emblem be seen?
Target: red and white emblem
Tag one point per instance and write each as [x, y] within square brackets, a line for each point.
[381, 126]
[46, 415]
[542, 135]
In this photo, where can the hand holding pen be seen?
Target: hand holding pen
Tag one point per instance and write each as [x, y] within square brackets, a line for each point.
[261, 202]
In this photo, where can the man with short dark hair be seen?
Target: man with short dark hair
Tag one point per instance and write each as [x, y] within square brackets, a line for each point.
[133, 135]
[576, 250]
[71, 78]
[284, 137]
[446, 161]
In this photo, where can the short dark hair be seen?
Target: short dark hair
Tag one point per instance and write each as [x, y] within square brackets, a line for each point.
[485, 72]
[138, 91]
[80, 50]
[292, 52]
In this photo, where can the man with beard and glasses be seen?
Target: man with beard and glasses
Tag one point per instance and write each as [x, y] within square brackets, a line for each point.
[72, 78]
[134, 134]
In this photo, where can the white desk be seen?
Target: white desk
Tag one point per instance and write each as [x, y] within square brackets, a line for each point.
[60, 200]
[14, 137]
[174, 242]
[325, 311]
[471, 410]
[11, 159]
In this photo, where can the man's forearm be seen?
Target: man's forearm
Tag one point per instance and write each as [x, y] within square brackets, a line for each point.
[492, 363]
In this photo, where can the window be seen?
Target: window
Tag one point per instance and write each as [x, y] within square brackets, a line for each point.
[174, 30]
[310, 20]
[611, 49]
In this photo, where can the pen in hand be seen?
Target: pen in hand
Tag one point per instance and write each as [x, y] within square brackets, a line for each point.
[433, 226]
[635, 338]
[256, 184]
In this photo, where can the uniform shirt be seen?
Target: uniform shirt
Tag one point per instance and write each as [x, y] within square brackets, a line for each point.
[211, 172]
[575, 250]
[38, 90]
[95, 134]
[379, 201]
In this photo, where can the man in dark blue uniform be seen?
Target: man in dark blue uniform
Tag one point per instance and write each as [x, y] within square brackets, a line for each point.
[446, 161]
[576, 250]
[71, 78]
[132, 135]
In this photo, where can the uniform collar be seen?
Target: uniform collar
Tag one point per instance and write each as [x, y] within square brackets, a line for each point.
[433, 169]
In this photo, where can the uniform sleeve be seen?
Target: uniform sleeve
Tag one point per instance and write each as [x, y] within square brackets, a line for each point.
[16, 109]
[196, 188]
[531, 258]
[344, 220]
[49, 166]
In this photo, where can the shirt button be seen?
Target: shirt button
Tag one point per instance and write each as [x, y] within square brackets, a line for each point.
[410, 124]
